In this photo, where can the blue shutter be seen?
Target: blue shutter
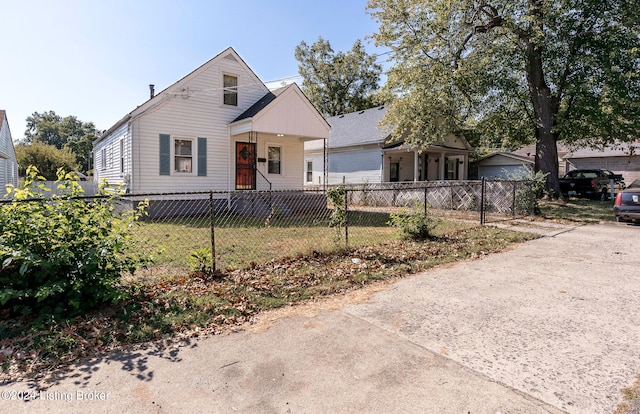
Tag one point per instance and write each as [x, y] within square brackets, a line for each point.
[202, 157]
[165, 154]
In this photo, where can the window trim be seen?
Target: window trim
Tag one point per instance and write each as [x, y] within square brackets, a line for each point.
[230, 89]
[103, 158]
[121, 156]
[309, 172]
[281, 165]
[194, 156]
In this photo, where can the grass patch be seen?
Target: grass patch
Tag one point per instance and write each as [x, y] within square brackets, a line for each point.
[577, 210]
[631, 399]
[176, 306]
[240, 244]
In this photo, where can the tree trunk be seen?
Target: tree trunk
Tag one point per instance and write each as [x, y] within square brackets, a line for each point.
[545, 106]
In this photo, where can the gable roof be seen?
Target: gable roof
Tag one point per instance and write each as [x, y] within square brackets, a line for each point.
[512, 156]
[357, 128]
[161, 97]
[285, 110]
[363, 127]
[260, 105]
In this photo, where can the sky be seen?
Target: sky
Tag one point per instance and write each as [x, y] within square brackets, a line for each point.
[95, 59]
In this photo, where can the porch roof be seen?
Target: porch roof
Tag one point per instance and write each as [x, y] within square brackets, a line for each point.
[282, 111]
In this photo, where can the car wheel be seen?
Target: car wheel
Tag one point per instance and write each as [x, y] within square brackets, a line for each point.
[604, 196]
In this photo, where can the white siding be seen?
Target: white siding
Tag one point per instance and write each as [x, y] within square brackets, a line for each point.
[292, 162]
[355, 166]
[317, 173]
[198, 112]
[8, 162]
[109, 168]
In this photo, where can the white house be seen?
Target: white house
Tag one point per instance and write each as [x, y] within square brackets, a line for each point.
[357, 152]
[8, 161]
[218, 128]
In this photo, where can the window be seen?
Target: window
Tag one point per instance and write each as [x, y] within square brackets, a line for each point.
[274, 155]
[103, 159]
[309, 171]
[230, 87]
[451, 172]
[183, 154]
[121, 156]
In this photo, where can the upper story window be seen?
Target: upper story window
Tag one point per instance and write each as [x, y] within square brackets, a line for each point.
[230, 87]
[183, 156]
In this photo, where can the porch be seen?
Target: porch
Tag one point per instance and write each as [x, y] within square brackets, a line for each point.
[432, 164]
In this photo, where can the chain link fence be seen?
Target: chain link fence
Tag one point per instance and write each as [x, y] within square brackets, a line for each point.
[239, 229]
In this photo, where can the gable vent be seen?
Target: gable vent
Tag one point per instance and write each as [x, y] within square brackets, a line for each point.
[231, 57]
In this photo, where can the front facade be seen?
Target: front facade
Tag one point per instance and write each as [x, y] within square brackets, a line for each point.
[8, 161]
[357, 152]
[219, 128]
[623, 158]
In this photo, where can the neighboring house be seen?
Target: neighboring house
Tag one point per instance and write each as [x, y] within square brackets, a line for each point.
[500, 165]
[8, 161]
[530, 152]
[623, 158]
[218, 128]
[357, 152]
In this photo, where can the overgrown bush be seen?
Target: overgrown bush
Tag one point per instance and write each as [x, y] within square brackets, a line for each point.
[62, 255]
[530, 190]
[415, 225]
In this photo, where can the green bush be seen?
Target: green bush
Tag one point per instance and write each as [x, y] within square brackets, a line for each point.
[338, 218]
[62, 255]
[415, 225]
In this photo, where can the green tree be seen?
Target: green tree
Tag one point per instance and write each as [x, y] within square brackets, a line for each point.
[514, 71]
[46, 158]
[340, 82]
[68, 132]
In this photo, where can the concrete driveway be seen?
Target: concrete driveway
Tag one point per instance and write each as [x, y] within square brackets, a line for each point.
[548, 327]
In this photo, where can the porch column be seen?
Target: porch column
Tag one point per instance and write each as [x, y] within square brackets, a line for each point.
[441, 167]
[465, 167]
[416, 171]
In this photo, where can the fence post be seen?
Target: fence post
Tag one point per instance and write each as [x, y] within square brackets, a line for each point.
[513, 200]
[212, 217]
[425, 200]
[346, 212]
[482, 200]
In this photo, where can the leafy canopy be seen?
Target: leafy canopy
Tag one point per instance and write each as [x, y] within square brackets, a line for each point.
[339, 82]
[46, 158]
[507, 72]
[63, 132]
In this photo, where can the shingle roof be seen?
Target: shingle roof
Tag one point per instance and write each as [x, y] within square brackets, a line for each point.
[357, 128]
[254, 109]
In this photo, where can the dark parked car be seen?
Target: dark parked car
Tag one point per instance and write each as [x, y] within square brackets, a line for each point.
[627, 205]
[593, 183]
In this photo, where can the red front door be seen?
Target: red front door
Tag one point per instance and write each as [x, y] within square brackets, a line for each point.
[245, 166]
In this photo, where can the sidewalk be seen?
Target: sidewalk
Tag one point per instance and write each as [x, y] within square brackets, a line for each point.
[548, 327]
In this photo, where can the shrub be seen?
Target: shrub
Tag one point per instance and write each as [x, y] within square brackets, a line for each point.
[62, 255]
[338, 218]
[415, 225]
